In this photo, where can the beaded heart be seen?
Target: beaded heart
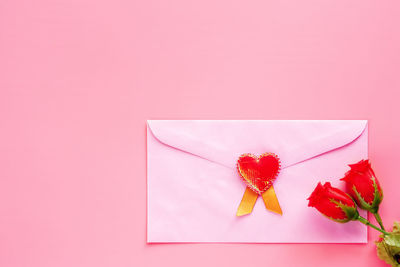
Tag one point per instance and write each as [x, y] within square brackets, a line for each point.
[259, 173]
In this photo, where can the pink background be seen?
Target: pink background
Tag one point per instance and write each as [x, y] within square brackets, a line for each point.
[79, 78]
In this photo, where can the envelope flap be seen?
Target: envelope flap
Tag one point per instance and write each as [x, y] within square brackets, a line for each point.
[224, 141]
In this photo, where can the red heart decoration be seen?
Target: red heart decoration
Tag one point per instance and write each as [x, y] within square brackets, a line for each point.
[259, 172]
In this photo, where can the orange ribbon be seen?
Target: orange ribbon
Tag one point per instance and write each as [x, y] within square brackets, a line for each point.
[249, 200]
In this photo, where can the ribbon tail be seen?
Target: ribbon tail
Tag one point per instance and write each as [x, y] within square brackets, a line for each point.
[247, 203]
[271, 201]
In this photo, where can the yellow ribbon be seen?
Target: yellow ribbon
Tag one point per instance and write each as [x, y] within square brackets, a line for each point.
[249, 199]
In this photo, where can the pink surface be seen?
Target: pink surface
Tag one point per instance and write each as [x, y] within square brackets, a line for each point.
[194, 189]
[79, 79]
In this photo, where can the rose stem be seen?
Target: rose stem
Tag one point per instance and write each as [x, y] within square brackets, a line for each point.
[379, 220]
[366, 222]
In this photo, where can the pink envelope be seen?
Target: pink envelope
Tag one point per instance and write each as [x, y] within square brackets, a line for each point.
[194, 189]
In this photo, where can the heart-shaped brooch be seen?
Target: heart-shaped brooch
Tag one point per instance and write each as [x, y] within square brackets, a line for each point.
[258, 173]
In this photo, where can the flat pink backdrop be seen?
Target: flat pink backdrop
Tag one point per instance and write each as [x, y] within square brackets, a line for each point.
[79, 79]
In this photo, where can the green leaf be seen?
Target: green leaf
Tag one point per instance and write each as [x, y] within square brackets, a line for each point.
[384, 254]
[396, 228]
[388, 247]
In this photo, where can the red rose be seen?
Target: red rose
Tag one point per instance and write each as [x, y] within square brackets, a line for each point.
[333, 203]
[363, 186]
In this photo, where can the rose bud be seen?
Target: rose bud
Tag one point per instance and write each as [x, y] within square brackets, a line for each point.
[363, 186]
[333, 203]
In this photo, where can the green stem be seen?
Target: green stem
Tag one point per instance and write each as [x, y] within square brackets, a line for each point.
[379, 220]
[366, 222]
